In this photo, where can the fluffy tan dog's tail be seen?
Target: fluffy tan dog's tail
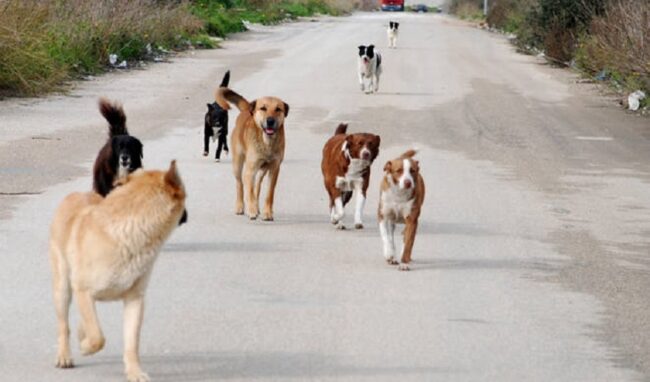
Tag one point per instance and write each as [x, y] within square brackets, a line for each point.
[225, 95]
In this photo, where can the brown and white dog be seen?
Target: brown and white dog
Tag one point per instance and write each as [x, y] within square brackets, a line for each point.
[346, 170]
[400, 201]
[257, 149]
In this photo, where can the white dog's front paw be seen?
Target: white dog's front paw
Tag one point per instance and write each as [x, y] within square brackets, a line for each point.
[340, 226]
[391, 260]
[403, 267]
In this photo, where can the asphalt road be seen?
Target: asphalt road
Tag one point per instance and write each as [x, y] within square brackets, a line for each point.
[530, 262]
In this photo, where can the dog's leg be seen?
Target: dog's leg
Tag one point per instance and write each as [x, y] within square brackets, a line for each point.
[339, 214]
[252, 203]
[358, 210]
[270, 195]
[386, 228]
[90, 334]
[409, 239]
[206, 142]
[217, 154]
[237, 166]
[62, 294]
[376, 82]
[133, 311]
[363, 88]
[258, 182]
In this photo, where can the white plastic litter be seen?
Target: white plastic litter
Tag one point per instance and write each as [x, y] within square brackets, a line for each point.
[112, 59]
[122, 65]
[634, 100]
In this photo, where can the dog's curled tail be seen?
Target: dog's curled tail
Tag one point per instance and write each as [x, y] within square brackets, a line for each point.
[225, 95]
[115, 116]
[341, 129]
[409, 154]
[226, 80]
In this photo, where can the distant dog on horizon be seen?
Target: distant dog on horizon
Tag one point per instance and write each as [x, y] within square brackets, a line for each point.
[122, 153]
[216, 124]
[393, 32]
[369, 68]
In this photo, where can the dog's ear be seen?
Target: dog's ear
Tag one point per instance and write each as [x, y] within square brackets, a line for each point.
[362, 48]
[209, 106]
[253, 105]
[286, 109]
[396, 25]
[388, 166]
[172, 177]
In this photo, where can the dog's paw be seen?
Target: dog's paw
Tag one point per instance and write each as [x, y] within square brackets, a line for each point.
[391, 260]
[239, 210]
[137, 376]
[267, 217]
[217, 160]
[358, 225]
[205, 153]
[91, 346]
[64, 361]
[340, 226]
[403, 267]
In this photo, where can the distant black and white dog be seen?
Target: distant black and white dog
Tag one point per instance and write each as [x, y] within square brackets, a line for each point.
[122, 153]
[216, 124]
[393, 31]
[369, 68]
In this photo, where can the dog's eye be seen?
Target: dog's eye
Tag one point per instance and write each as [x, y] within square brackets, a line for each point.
[277, 110]
[263, 108]
[412, 171]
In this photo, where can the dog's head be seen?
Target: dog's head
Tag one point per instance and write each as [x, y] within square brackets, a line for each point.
[216, 116]
[127, 153]
[366, 53]
[363, 146]
[164, 187]
[393, 25]
[403, 171]
[269, 114]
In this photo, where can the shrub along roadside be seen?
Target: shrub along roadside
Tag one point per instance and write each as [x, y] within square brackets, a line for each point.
[606, 39]
[44, 43]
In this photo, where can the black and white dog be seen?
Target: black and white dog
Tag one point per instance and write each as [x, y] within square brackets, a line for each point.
[120, 155]
[393, 31]
[369, 68]
[216, 125]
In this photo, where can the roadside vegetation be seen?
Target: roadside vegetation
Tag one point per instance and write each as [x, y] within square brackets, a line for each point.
[606, 39]
[45, 43]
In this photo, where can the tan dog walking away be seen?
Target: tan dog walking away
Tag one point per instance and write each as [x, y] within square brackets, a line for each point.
[257, 149]
[104, 250]
[400, 201]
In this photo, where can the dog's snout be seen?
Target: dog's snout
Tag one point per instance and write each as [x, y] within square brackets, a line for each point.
[124, 158]
[365, 155]
[408, 184]
[270, 122]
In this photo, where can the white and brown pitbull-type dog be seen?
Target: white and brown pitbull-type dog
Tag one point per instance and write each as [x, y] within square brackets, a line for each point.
[400, 201]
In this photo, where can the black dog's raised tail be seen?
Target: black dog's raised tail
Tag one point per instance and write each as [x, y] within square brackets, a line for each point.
[341, 129]
[226, 80]
[225, 95]
[115, 116]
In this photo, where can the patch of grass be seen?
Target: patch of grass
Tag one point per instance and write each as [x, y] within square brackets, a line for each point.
[467, 9]
[43, 43]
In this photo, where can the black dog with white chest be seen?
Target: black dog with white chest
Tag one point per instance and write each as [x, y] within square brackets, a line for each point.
[122, 153]
[216, 125]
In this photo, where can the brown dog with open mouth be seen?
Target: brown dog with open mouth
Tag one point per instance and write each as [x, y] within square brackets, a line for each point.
[400, 201]
[346, 170]
[257, 149]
